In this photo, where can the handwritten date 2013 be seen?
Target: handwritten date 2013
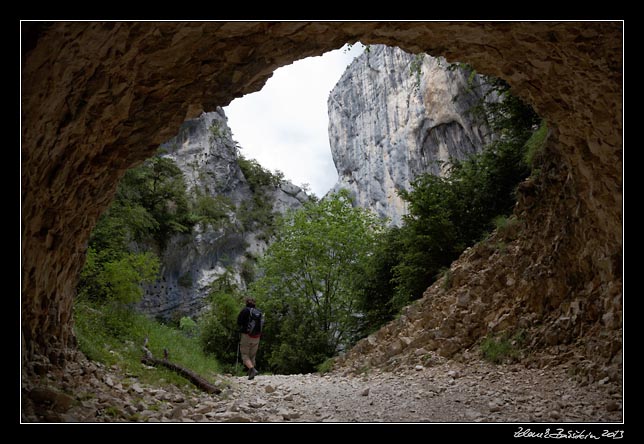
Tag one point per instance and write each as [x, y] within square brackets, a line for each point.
[568, 434]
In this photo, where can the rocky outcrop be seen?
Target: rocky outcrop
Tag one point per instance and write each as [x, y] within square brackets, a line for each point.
[98, 98]
[208, 157]
[395, 115]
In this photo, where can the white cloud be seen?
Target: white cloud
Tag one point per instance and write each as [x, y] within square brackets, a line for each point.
[284, 126]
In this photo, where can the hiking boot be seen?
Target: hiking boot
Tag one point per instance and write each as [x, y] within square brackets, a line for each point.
[252, 373]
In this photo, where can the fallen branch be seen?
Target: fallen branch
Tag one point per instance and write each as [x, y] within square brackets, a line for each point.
[197, 380]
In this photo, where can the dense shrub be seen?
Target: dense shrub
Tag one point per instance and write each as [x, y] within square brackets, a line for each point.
[306, 287]
[218, 330]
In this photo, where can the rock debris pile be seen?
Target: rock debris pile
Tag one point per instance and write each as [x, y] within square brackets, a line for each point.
[447, 392]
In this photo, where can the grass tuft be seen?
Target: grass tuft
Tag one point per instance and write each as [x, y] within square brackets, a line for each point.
[326, 366]
[536, 144]
[503, 349]
[114, 336]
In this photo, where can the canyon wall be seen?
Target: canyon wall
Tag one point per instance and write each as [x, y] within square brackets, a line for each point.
[208, 157]
[395, 115]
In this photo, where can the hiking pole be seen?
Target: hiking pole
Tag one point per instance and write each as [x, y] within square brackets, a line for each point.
[237, 360]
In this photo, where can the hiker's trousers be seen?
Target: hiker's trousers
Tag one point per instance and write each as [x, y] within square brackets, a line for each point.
[248, 348]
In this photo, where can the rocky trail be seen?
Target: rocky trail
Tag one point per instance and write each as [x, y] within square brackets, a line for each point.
[448, 392]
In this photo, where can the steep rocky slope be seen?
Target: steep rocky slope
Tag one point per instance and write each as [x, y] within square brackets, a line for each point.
[537, 288]
[208, 157]
[395, 115]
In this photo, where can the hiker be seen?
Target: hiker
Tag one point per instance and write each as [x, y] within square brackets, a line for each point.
[250, 321]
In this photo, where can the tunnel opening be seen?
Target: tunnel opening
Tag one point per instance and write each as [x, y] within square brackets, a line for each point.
[573, 233]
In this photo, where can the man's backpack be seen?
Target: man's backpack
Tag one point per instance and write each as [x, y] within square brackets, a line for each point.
[255, 321]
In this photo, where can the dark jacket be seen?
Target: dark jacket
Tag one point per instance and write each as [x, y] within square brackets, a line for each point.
[242, 321]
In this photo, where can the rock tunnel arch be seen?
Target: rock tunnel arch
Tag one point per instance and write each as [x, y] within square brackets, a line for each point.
[98, 98]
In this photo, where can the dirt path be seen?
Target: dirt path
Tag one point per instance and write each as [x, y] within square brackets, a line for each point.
[450, 392]
[480, 393]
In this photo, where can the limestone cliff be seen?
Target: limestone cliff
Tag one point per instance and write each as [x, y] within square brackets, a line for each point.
[395, 115]
[208, 157]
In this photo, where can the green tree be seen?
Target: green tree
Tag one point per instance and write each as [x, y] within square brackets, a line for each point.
[123, 278]
[212, 210]
[188, 326]
[429, 237]
[306, 288]
[159, 187]
[375, 286]
[257, 176]
[448, 214]
[117, 280]
[150, 204]
[257, 213]
[219, 333]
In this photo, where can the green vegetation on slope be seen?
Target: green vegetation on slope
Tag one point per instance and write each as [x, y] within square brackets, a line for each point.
[505, 348]
[256, 214]
[151, 205]
[449, 214]
[110, 334]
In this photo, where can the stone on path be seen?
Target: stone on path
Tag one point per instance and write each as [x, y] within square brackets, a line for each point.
[236, 418]
[257, 403]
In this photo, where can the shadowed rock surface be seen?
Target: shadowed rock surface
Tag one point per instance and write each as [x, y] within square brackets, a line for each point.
[98, 98]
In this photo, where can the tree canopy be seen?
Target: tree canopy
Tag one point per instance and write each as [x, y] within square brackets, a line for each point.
[306, 284]
[151, 204]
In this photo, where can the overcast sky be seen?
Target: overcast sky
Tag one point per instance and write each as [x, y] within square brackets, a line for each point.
[285, 125]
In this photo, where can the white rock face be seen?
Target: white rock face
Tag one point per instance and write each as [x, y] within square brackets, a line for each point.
[207, 155]
[388, 124]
